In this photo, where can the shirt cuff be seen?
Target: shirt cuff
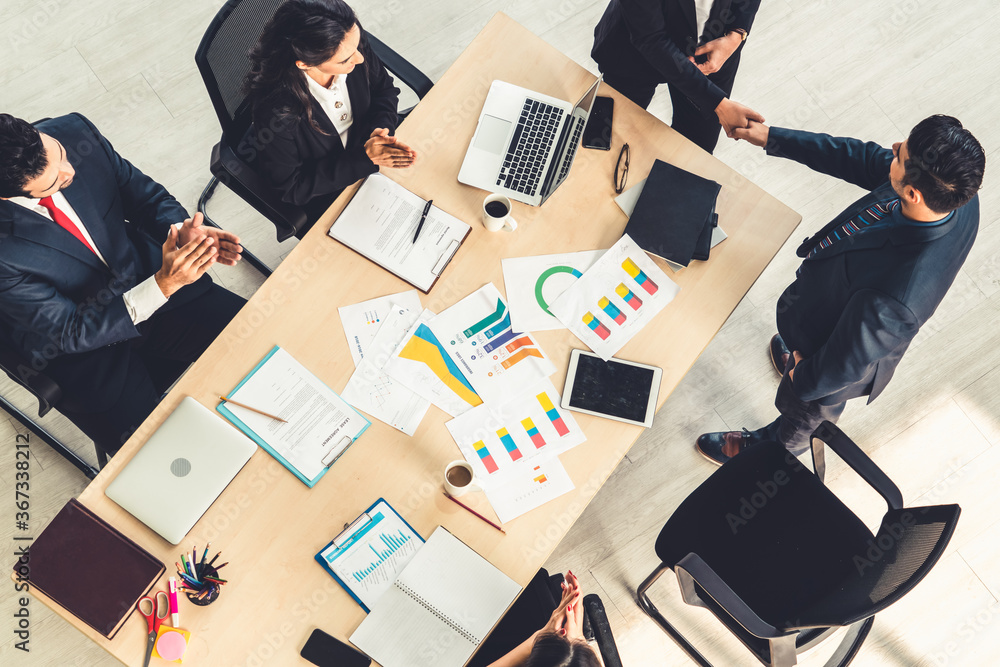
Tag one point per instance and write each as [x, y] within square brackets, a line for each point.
[143, 300]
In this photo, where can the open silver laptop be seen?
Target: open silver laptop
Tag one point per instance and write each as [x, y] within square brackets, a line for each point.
[181, 470]
[525, 142]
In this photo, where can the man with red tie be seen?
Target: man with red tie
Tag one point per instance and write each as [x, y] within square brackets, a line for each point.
[102, 274]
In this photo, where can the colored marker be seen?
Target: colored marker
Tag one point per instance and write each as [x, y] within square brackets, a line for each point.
[174, 615]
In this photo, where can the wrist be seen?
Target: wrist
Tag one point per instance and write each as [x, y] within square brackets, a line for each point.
[738, 35]
[165, 284]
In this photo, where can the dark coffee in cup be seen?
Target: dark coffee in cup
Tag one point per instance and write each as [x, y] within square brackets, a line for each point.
[459, 476]
[496, 209]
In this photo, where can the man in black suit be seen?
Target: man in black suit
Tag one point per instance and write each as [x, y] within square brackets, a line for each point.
[871, 277]
[693, 46]
[102, 274]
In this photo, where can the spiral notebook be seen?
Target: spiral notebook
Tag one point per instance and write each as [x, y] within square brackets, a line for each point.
[441, 606]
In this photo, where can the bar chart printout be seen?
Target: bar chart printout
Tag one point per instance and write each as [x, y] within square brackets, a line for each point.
[368, 560]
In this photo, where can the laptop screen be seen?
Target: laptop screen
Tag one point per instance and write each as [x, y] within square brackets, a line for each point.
[569, 141]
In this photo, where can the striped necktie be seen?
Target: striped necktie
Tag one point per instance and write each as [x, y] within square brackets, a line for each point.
[63, 221]
[862, 220]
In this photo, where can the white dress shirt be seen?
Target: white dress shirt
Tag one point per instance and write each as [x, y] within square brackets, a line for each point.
[702, 8]
[142, 300]
[335, 101]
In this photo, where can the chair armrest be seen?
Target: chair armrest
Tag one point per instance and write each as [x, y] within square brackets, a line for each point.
[693, 570]
[594, 609]
[852, 455]
[242, 179]
[41, 386]
[401, 68]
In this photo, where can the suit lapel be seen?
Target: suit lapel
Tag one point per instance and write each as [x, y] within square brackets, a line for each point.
[31, 226]
[83, 204]
[687, 6]
[845, 215]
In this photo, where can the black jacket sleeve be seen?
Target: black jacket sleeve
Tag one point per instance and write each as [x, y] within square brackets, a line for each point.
[865, 164]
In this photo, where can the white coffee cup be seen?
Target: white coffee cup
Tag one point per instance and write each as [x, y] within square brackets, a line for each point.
[459, 478]
[495, 223]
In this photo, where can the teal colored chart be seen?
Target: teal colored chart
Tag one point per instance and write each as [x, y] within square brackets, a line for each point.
[548, 273]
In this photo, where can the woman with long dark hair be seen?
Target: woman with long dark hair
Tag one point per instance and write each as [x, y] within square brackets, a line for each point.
[324, 107]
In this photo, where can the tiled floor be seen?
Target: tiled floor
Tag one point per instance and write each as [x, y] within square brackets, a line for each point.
[852, 67]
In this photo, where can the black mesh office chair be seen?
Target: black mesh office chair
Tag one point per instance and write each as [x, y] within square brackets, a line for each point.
[223, 60]
[532, 610]
[783, 563]
[48, 394]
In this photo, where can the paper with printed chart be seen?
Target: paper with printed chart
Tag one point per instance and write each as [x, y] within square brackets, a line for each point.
[497, 359]
[422, 363]
[616, 297]
[362, 321]
[374, 391]
[513, 448]
[532, 283]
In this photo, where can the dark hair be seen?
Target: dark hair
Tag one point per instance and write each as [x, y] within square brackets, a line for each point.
[306, 30]
[22, 155]
[945, 163]
[552, 650]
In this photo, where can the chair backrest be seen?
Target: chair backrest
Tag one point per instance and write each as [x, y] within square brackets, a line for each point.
[908, 544]
[223, 58]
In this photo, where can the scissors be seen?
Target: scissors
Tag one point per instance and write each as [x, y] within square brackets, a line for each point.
[154, 619]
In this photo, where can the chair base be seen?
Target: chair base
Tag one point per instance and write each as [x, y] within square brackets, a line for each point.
[250, 258]
[50, 440]
[845, 653]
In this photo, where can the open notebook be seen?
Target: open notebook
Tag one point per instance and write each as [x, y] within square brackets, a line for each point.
[441, 606]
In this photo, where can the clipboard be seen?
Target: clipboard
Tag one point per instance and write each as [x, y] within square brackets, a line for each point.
[353, 546]
[334, 451]
[379, 222]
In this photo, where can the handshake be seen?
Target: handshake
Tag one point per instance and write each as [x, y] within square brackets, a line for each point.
[741, 122]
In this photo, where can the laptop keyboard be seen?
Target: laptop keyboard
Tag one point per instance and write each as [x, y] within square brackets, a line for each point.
[574, 141]
[522, 166]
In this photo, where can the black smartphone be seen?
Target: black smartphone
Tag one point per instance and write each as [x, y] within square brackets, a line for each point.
[326, 651]
[597, 134]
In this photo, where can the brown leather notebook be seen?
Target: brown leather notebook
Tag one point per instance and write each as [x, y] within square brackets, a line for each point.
[90, 569]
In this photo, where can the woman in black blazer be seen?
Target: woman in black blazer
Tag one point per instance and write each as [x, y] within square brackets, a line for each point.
[324, 107]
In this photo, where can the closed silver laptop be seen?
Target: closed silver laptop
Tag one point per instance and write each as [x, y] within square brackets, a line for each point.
[180, 471]
[525, 142]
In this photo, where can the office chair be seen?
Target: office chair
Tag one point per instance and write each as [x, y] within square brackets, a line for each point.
[783, 563]
[532, 610]
[48, 394]
[223, 60]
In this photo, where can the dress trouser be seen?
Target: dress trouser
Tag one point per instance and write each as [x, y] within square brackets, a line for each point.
[171, 340]
[798, 418]
[701, 128]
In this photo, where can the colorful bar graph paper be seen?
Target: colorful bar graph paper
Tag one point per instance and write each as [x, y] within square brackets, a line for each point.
[392, 542]
[509, 444]
[629, 296]
[638, 276]
[611, 310]
[499, 327]
[499, 340]
[486, 457]
[520, 342]
[520, 356]
[596, 326]
[541, 479]
[486, 321]
[532, 430]
[552, 414]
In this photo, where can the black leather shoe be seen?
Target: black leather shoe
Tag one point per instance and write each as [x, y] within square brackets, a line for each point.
[721, 446]
[779, 353]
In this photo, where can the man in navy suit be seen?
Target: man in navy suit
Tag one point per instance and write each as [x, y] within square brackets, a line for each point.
[102, 274]
[693, 46]
[871, 277]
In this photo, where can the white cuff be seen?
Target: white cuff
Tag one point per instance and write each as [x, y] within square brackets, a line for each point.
[143, 300]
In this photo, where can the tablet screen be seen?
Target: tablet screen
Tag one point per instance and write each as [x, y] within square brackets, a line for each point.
[611, 388]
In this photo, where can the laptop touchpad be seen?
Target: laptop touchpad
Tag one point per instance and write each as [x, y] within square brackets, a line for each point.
[492, 135]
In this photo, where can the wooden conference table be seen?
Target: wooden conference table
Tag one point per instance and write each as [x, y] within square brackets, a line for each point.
[269, 525]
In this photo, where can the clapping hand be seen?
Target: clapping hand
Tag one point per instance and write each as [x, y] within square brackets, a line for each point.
[386, 151]
[227, 244]
[567, 619]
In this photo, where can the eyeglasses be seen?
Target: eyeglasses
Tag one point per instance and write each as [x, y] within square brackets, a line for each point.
[621, 170]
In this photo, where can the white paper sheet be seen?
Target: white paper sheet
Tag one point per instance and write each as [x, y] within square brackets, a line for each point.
[532, 283]
[372, 390]
[496, 359]
[421, 363]
[621, 293]
[362, 320]
[517, 435]
[530, 489]
[627, 200]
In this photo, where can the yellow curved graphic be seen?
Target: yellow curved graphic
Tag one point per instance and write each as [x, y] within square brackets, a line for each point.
[427, 353]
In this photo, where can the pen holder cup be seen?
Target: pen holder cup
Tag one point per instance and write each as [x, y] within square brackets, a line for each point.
[212, 596]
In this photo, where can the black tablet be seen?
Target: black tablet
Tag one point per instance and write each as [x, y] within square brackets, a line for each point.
[621, 390]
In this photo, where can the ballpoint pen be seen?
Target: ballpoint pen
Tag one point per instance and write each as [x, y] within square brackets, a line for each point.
[423, 216]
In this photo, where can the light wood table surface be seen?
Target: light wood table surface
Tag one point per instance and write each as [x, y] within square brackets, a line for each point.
[269, 525]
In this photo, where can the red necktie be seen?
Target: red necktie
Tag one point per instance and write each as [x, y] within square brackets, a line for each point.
[63, 221]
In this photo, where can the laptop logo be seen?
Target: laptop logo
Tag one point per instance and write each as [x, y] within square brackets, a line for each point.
[180, 467]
